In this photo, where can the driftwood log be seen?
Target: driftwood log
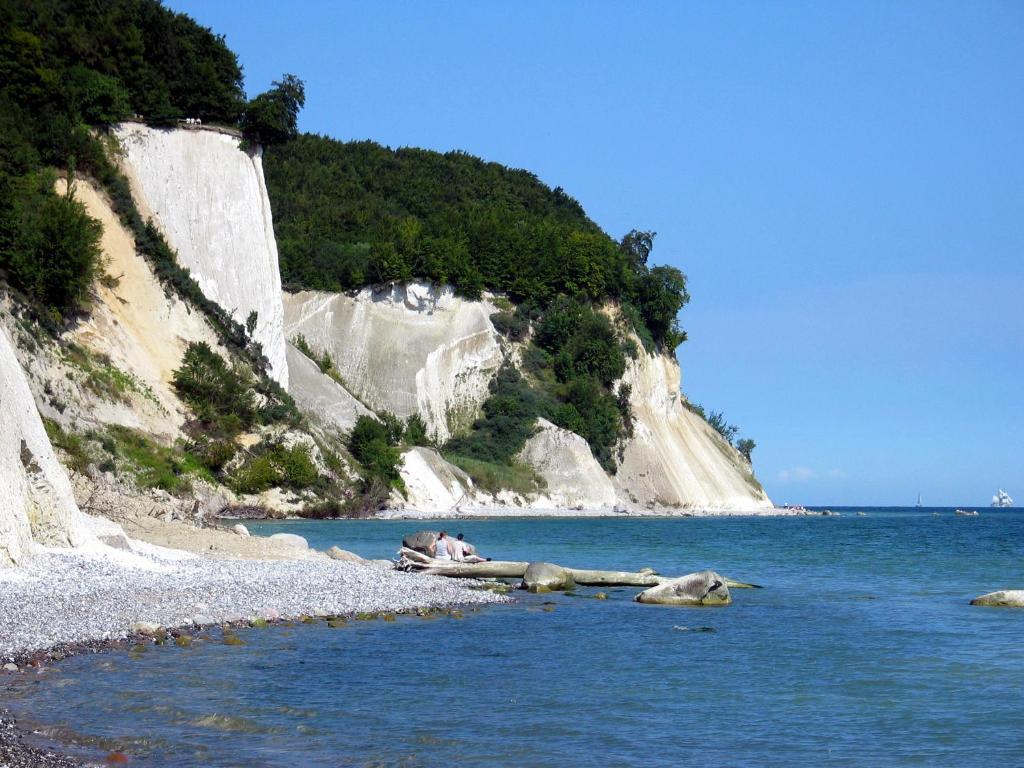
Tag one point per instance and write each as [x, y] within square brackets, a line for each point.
[411, 560]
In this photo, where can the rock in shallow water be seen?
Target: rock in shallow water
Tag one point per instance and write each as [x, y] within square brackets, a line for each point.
[703, 588]
[1006, 598]
[547, 577]
[147, 628]
[240, 529]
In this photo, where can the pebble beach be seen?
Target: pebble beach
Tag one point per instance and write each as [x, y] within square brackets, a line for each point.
[64, 602]
[61, 598]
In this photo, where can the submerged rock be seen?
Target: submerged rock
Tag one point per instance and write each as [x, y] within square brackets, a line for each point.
[678, 628]
[1006, 598]
[703, 588]
[547, 577]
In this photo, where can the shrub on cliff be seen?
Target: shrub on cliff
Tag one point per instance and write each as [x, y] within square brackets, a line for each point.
[219, 394]
[49, 246]
[352, 214]
[372, 446]
[275, 465]
[416, 432]
[507, 422]
[272, 117]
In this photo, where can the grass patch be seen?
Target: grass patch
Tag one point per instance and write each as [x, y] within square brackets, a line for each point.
[492, 477]
[74, 446]
[275, 465]
[104, 379]
[154, 465]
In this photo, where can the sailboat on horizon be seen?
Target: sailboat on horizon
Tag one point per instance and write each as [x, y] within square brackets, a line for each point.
[919, 500]
[1002, 499]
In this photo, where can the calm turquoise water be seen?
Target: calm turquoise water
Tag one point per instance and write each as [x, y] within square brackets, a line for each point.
[861, 650]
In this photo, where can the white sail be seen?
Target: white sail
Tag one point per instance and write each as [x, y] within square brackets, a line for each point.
[1002, 499]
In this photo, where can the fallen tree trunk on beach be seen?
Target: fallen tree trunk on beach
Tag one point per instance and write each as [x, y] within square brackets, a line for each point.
[590, 578]
[411, 560]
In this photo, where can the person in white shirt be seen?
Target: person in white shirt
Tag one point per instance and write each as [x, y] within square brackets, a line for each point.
[462, 551]
[442, 548]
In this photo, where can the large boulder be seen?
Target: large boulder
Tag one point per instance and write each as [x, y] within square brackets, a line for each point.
[547, 577]
[421, 541]
[703, 588]
[1006, 598]
[337, 553]
[291, 539]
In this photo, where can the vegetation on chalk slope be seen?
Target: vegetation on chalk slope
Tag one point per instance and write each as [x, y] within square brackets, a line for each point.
[572, 366]
[226, 399]
[347, 215]
[717, 421]
[69, 69]
[353, 214]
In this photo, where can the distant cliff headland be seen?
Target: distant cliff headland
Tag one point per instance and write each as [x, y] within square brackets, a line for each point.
[217, 315]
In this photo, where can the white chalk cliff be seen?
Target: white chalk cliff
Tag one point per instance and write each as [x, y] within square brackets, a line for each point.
[572, 475]
[675, 459]
[411, 348]
[416, 348]
[209, 198]
[141, 328]
[321, 397]
[432, 484]
[36, 501]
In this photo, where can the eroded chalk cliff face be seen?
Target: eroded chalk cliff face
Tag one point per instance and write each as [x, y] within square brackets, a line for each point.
[411, 348]
[210, 200]
[36, 500]
[674, 458]
[434, 485]
[319, 396]
[140, 328]
[572, 475]
[418, 348]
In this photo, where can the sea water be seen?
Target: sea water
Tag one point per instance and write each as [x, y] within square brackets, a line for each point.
[860, 650]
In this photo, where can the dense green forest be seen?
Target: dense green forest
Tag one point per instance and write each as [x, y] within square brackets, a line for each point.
[353, 214]
[67, 71]
[347, 215]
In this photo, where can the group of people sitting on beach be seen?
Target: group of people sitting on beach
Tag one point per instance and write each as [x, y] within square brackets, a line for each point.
[457, 549]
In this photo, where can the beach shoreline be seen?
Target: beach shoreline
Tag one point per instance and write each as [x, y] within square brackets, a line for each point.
[63, 603]
[483, 513]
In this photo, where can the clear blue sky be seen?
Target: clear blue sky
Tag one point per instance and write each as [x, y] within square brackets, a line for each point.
[843, 183]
